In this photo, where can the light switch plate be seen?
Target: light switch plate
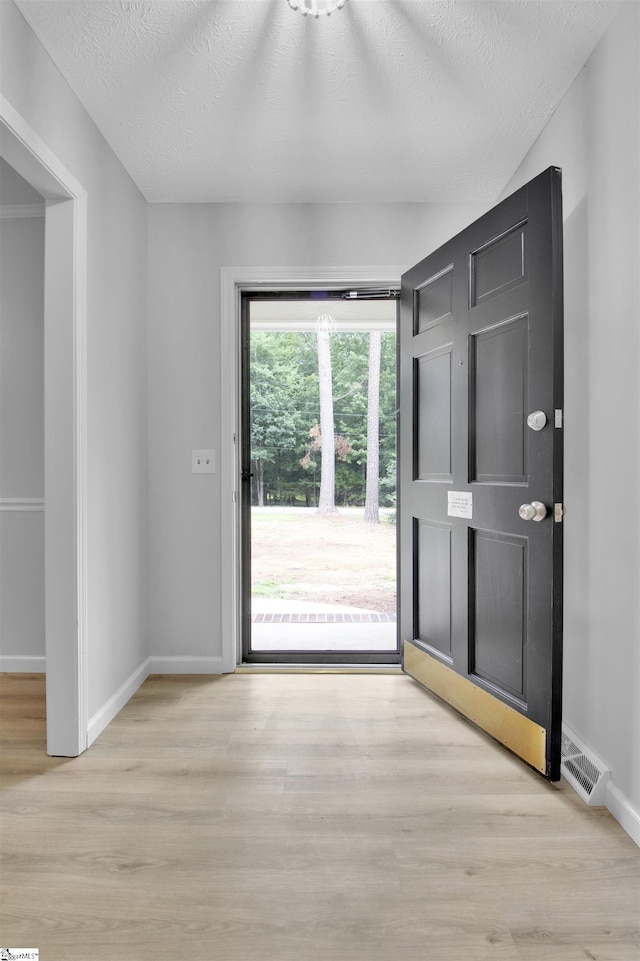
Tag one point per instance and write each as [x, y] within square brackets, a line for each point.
[203, 462]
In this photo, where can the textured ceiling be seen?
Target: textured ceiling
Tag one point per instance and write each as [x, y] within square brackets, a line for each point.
[386, 100]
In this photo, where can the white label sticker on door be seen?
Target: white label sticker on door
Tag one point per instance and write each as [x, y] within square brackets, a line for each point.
[460, 504]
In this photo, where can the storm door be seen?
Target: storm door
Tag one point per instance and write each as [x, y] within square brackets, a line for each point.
[318, 491]
[481, 426]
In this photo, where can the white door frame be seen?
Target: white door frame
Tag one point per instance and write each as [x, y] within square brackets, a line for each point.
[233, 282]
[65, 454]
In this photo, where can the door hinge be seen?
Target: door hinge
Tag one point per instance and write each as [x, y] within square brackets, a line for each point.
[559, 418]
[558, 513]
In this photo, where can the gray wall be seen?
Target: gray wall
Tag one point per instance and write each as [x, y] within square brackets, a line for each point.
[188, 243]
[14, 189]
[22, 357]
[594, 136]
[116, 362]
[21, 429]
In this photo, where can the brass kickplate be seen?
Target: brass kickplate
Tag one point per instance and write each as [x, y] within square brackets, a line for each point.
[517, 732]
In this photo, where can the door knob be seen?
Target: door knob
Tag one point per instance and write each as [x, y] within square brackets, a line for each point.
[537, 420]
[535, 511]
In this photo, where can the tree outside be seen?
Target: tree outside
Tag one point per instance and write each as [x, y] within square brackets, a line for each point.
[287, 441]
[327, 499]
[372, 498]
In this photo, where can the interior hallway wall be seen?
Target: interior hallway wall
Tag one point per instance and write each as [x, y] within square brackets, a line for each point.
[21, 424]
[116, 361]
[188, 244]
[594, 136]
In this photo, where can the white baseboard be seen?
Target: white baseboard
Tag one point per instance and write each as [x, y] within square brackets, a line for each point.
[623, 811]
[153, 665]
[22, 664]
[116, 702]
[160, 664]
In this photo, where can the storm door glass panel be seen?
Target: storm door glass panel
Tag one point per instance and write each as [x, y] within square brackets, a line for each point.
[319, 468]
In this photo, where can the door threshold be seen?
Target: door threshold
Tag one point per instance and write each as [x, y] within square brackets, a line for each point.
[319, 669]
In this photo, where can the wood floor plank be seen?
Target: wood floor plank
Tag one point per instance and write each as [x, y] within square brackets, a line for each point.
[299, 818]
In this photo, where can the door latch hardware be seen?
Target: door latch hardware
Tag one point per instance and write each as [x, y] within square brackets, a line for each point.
[559, 418]
[558, 513]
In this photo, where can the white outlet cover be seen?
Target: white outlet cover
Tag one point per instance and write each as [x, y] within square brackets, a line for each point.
[203, 462]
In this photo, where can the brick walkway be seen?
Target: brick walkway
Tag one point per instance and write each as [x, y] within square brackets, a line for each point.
[368, 618]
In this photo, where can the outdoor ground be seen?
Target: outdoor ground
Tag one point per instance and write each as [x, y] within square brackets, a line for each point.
[327, 558]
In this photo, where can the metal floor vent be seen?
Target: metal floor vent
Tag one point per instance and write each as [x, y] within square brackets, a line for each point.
[586, 774]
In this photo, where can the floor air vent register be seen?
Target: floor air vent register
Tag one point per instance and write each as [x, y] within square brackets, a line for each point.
[586, 774]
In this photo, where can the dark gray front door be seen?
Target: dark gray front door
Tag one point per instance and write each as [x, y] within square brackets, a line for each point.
[481, 376]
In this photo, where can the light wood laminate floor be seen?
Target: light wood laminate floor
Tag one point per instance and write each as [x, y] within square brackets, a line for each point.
[303, 817]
